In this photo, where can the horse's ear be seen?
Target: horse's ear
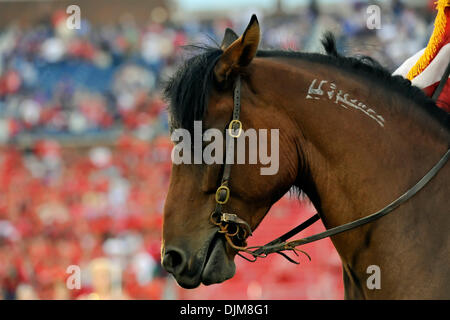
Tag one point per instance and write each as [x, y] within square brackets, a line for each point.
[229, 37]
[239, 53]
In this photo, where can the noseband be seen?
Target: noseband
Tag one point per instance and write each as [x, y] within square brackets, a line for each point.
[236, 230]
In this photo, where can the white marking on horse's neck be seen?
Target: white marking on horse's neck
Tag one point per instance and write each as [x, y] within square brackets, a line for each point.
[342, 99]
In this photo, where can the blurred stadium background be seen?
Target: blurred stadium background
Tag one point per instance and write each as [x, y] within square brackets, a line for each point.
[84, 147]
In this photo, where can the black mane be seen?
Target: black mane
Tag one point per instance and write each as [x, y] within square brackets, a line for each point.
[188, 90]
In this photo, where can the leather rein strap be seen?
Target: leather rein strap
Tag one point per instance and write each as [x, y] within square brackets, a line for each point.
[441, 84]
[275, 245]
[234, 227]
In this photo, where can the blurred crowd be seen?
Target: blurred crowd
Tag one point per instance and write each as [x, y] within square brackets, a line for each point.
[62, 207]
[100, 206]
[60, 80]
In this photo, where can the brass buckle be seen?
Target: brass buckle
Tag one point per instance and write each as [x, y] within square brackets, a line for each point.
[230, 128]
[226, 197]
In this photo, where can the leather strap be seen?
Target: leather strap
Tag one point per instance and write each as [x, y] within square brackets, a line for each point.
[277, 247]
[223, 192]
[290, 233]
[442, 84]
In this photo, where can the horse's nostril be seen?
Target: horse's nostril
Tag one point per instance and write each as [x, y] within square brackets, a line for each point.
[174, 261]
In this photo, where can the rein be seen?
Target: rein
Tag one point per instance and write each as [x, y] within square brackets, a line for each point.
[235, 228]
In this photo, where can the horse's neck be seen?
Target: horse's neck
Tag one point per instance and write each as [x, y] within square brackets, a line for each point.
[355, 139]
[359, 154]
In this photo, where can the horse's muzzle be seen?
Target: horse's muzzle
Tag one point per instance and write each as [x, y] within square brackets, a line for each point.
[209, 265]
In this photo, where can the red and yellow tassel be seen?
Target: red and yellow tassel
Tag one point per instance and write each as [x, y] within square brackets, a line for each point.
[435, 42]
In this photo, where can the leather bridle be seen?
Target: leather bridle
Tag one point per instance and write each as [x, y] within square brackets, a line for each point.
[230, 224]
[235, 229]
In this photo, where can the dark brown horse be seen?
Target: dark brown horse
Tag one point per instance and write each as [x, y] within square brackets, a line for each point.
[351, 137]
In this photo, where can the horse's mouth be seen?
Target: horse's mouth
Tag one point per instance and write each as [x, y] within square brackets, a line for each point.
[215, 267]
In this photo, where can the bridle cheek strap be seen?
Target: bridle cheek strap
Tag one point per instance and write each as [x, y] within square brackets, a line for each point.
[241, 229]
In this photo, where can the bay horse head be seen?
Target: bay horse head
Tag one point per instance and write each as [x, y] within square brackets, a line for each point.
[193, 250]
[326, 118]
